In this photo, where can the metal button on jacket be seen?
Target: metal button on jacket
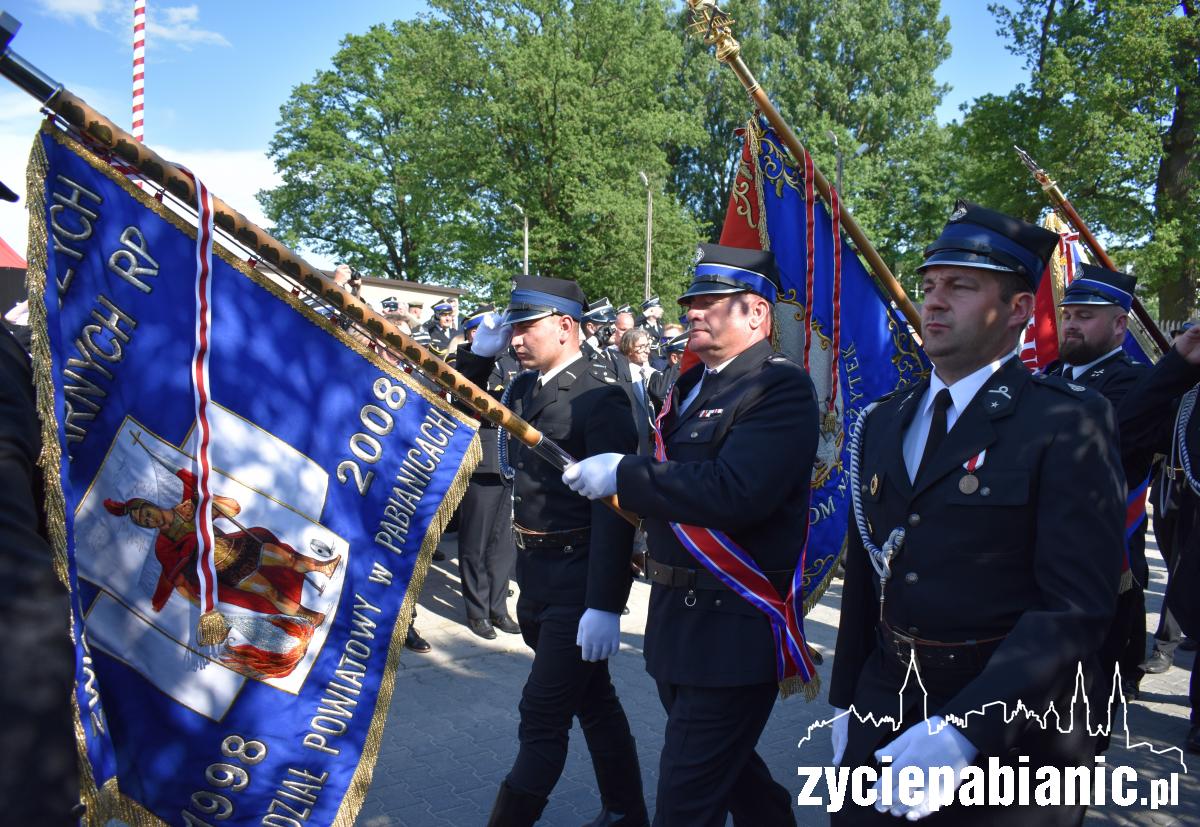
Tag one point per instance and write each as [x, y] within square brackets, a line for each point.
[911, 578]
[914, 519]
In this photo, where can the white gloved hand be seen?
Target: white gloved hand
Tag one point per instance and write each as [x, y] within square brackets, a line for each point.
[594, 477]
[839, 733]
[491, 336]
[599, 634]
[916, 747]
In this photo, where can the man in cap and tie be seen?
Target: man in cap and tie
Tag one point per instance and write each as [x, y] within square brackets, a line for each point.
[441, 327]
[985, 547]
[734, 460]
[650, 320]
[1094, 320]
[486, 554]
[598, 315]
[573, 557]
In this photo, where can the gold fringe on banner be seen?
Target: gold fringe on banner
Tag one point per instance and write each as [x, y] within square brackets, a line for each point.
[356, 792]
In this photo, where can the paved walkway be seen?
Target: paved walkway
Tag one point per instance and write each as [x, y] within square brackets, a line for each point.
[451, 733]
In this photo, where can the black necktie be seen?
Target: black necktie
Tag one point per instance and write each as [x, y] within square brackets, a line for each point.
[937, 428]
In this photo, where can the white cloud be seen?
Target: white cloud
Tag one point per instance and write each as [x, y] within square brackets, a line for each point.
[179, 26]
[87, 10]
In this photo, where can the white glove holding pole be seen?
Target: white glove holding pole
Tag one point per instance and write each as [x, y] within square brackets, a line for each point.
[491, 336]
[599, 634]
[926, 746]
[839, 733]
[594, 477]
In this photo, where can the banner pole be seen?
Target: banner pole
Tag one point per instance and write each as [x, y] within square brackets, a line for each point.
[151, 166]
[714, 26]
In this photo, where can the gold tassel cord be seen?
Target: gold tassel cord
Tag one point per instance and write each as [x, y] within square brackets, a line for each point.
[212, 630]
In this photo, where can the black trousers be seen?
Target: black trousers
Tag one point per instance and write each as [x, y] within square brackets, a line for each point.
[1125, 643]
[486, 554]
[1168, 633]
[562, 686]
[709, 768]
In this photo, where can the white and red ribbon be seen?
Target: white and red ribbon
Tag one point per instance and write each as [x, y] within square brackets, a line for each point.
[206, 569]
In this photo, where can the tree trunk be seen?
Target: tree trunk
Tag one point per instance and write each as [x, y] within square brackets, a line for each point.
[1177, 172]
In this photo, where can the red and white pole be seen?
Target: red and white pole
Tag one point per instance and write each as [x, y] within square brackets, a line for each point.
[139, 68]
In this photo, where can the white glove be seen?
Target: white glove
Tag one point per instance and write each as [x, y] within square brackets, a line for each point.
[594, 477]
[916, 747]
[491, 336]
[839, 732]
[599, 634]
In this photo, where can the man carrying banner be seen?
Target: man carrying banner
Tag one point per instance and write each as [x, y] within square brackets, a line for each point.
[1095, 315]
[725, 502]
[573, 560]
[985, 548]
[1159, 415]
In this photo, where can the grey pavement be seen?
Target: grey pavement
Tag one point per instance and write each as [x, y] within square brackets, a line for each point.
[452, 730]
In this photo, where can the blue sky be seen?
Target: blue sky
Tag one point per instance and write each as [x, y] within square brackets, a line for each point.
[217, 72]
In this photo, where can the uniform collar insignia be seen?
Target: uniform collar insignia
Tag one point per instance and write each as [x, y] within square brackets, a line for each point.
[710, 413]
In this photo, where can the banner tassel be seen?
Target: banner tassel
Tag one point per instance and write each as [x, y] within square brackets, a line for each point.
[212, 630]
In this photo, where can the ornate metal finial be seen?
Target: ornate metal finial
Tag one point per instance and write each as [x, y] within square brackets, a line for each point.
[1030, 164]
[1039, 174]
[714, 26]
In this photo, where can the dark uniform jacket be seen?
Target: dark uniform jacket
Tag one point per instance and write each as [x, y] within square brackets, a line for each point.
[1147, 417]
[1033, 554]
[743, 467]
[439, 337]
[1112, 379]
[37, 663]
[584, 411]
[504, 371]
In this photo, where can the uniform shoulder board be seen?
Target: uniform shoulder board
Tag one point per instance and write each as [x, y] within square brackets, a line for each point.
[1059, 383]
[602, 372]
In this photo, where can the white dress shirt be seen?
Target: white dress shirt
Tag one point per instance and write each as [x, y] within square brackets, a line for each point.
[543, 378]
[961, 394]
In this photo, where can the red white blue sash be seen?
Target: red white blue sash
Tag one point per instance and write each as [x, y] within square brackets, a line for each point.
[734, 567]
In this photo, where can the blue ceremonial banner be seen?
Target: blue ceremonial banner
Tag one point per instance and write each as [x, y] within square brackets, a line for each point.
[858, 344]
[331, 473]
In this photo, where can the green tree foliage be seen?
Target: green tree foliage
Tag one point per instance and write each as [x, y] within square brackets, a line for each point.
[408, 156]
[1111, 111]
[859, 69]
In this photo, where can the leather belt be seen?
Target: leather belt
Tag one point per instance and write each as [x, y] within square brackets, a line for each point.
[678, 577]
[564, 541]
[936, 654]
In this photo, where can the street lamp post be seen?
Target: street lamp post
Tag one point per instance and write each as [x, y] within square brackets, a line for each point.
[525, 218]
[649, 231]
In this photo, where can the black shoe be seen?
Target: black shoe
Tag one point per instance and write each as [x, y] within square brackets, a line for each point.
[482, 627]
[1192, 744]
[415, 642]
[1189, 644]
[1157, 663]
[506, 624]
[608, 818]
[514, 808]
[1129, 688]
[438, 555]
